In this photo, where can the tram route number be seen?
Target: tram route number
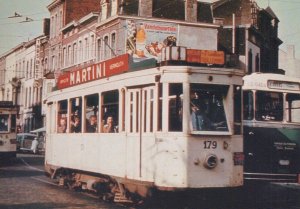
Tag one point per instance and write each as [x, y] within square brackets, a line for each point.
[210, 144]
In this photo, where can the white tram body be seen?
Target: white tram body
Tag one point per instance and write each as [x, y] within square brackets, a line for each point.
[8, 147]
[155, 145]
[271, 127]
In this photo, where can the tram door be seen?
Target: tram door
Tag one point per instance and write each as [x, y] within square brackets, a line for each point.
[139, 123]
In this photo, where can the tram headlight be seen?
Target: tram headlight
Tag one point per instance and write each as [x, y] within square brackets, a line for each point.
[211, 161]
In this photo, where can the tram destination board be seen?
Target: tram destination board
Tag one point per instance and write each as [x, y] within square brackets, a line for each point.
[6, 104]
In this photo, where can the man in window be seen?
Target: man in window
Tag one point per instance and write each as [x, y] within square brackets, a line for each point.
[92, 125]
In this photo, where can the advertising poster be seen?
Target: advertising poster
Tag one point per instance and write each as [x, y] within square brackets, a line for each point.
[146, 39]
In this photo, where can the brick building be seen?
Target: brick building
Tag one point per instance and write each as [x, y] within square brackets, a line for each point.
[250, 32]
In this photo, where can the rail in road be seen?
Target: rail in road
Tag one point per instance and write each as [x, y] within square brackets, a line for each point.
[24, 186]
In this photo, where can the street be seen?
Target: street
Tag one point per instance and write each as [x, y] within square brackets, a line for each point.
[24, 186]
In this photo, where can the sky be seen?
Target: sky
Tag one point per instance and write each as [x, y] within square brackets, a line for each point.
[12, 32]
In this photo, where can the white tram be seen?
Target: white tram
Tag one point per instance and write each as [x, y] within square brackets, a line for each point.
[271, 128]
[147, 135]
[8, 132]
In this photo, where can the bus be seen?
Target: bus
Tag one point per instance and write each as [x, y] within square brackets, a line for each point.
[271, 127]
[8, 132]
[173, 127]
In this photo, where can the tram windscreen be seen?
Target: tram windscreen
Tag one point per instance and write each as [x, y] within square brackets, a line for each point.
[207, 107]
[4, 122]
[293, 108]
[269, 106]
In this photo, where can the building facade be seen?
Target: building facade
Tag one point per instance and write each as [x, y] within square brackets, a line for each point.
[250, 32]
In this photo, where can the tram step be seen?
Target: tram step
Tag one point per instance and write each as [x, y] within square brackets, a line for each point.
[121, 198]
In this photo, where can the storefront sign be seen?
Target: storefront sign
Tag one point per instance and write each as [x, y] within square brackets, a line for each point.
[205, 56]
[97, 71]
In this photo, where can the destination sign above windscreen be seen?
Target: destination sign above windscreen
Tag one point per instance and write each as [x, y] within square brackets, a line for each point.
[293, 86]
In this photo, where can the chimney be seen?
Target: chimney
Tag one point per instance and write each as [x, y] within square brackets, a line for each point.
[191, 10]
[145, 8]
[291, 51]
[104, 9]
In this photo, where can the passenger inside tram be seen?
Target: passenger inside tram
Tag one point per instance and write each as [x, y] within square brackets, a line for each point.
[109, 126]
[92, 124]
[76, 125]
[62, 125]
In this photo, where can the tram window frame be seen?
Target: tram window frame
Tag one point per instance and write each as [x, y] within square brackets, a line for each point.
[261, 100]
[206, 98]
[110, 101]
[175, 104]
[91, 105]
[76, 113]
[237, 109]
[292, 109]
[62, 114]
[160, 107]
[248, 105]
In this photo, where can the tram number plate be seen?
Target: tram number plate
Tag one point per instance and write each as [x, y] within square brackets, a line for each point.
[210, 144]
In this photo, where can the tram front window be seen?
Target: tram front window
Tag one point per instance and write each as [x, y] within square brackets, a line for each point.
[207, 108]
[293, 108]
[4, 122]
[269, 106]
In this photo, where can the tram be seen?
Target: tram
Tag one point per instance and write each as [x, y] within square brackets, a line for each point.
[141, 130]
[271, 128]
[8, 132]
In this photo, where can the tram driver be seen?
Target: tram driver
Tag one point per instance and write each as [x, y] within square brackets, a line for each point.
[199, 117]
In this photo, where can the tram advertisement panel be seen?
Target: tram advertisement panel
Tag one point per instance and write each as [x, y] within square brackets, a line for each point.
[97, 71]
[146, 39]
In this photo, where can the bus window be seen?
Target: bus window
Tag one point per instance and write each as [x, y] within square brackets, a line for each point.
[175, 107]
[293, 107]
[207, 108]
[110, 111]
[75, 120]
[91, 113]
[3, 122]
[269, 106]
[62, 116]
[248, 105]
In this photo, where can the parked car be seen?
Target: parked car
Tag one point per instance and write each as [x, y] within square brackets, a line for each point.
[28, 142]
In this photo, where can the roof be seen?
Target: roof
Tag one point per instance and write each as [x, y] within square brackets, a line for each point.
[271, 12]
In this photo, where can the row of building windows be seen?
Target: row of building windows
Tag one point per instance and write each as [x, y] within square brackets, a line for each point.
[27, 71]
[56, 24]
[85, 49]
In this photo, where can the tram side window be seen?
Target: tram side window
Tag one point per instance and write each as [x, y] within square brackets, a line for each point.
[269, 106]
[175, 107]
[13, 123]
[207, 108]
[293, 107]
[248, 105]
[75, 120]
[4, 122]
[62, 116]
[110, 111]
[91, 113]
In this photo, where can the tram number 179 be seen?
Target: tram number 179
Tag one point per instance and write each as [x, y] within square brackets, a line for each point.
[210, 144]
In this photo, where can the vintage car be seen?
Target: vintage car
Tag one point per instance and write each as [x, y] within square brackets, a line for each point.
[25, 143]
